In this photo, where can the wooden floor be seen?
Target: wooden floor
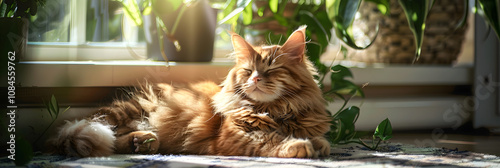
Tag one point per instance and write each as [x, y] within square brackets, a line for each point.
[471, 141]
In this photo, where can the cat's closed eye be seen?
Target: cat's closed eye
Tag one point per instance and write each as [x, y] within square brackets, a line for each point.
[248, 71]
[273, 70]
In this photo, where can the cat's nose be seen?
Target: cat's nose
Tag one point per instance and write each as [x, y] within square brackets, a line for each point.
[256, 79]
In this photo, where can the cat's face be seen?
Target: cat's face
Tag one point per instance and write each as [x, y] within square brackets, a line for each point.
[267, 73]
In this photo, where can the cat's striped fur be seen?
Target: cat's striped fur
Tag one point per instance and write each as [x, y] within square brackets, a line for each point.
[269, 105]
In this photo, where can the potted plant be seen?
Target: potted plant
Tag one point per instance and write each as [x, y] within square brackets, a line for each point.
[283, 17]
[14, 21]
[175, 30]
[14, 18]
[444, 34]
[417, 14]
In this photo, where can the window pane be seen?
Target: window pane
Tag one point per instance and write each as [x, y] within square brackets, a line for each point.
[51, 23]
[104, 21]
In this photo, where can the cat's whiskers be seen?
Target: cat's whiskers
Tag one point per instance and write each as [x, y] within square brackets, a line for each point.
[292, 94]
[275, 50]
[239, 93]
[281, 96]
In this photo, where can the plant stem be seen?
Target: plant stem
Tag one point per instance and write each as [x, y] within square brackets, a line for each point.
[282, 7]
[176, 23]
[376, 146]
[46, 129]
[343, 106]
[329, 67]
[162, 31]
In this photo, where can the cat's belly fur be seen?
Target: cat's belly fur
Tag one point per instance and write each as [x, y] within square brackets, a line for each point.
[186, 124]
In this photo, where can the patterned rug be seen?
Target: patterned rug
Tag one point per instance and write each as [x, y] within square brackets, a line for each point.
[390, 155]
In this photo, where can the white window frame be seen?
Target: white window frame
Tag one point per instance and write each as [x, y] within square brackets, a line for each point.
[78, 49]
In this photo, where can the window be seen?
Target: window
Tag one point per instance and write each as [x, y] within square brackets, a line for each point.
[89, 30]
[51, 24]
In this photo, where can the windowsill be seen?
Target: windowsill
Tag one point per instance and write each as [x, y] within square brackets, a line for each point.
[408, 92]
[125, 73]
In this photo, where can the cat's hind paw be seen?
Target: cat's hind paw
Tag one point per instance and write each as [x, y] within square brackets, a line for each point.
[83, 138]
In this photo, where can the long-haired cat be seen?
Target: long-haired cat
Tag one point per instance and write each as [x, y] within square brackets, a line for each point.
[268, 105]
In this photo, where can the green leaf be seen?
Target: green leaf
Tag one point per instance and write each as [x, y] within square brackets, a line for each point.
[54, 103]
[344, 51]
[47, 106]
[383, 6]
[349, 115]
[281, 19]
[240, 6]
[53, 107]
[228, 8]
[273, 5]
[342, 13]
[384, 130]
[324, 33]
[149, 140]
[66, 109]
[260, 12]
[416, 13]
[147, 10]
[465, 15]
[318, 25]
[346, 120]
[314, 51]
[346, 12]
[232, 16]
[24, 152]
[132, 11]
[340, 72]
[336, 131]
[247, 15]
[339, 83]
[346, 87]
[490, 14]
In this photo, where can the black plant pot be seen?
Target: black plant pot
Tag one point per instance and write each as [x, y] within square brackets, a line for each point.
[13, 38]
[195, 33]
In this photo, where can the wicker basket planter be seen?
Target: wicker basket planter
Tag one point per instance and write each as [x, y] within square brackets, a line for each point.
[395, 44]
[260, 33]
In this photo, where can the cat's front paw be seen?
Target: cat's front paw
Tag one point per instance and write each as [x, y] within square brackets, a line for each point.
[321, 146]
[145, 142]
[297, 149]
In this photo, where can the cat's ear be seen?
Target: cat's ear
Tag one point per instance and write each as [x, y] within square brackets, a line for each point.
[242, 50]
[295, 46]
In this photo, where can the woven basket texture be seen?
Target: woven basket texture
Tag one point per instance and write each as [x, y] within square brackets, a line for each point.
[395, 42]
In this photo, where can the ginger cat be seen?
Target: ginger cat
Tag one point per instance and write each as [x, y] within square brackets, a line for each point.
[268, 105]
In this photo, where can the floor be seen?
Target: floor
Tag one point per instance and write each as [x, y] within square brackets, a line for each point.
[351, 155]
[475, 141]
[476, 148]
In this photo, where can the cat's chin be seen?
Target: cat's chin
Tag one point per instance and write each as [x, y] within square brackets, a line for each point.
[261, 96]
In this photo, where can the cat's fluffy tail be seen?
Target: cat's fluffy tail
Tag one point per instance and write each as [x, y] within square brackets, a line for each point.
[83, 138]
